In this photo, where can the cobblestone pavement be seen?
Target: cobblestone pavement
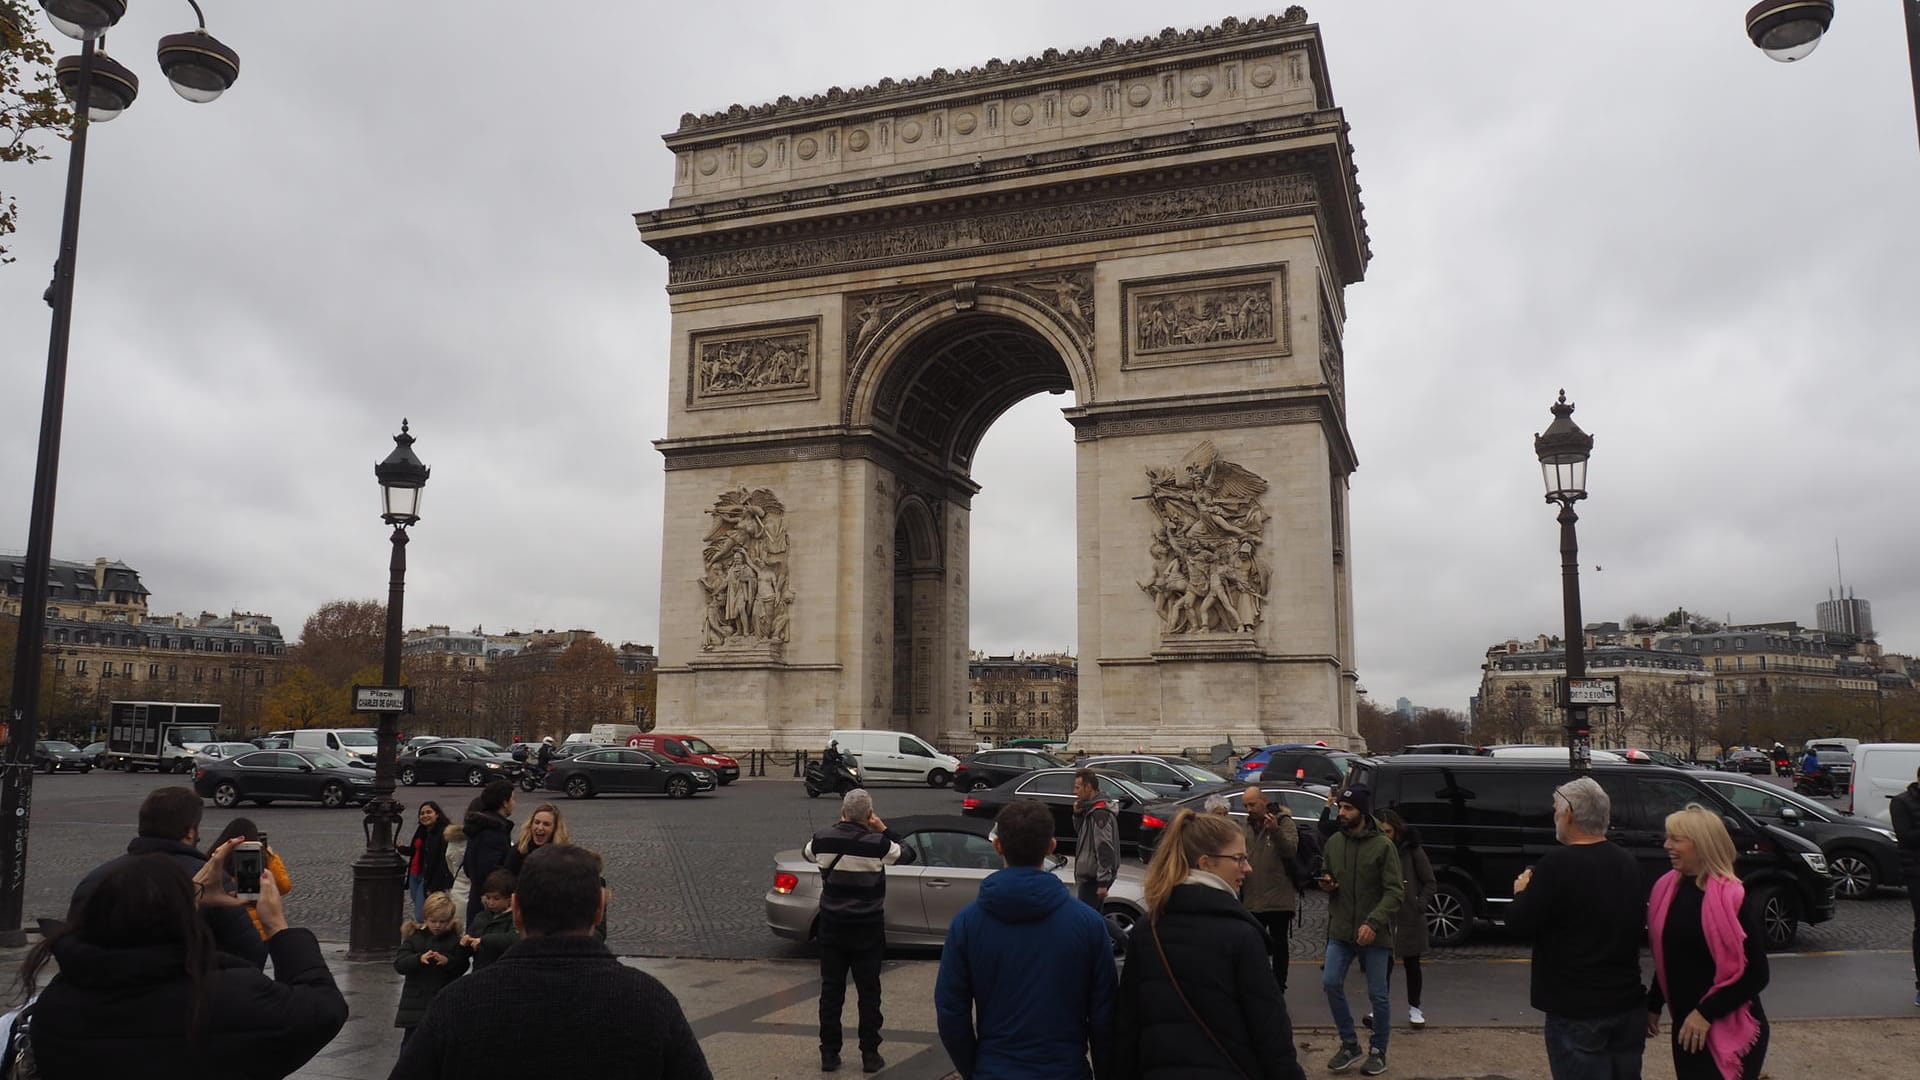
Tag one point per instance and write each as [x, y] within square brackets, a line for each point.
[688, 877]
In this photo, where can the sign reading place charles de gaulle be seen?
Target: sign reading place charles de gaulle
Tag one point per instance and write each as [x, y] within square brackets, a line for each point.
[1596, 691]
[383, 699]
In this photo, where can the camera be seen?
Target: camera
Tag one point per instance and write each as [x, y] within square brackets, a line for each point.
[248, 861]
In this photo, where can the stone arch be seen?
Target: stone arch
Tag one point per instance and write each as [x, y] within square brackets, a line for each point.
[920, 606]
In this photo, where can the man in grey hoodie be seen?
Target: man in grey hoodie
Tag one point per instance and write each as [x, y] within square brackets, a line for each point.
[1096, 849]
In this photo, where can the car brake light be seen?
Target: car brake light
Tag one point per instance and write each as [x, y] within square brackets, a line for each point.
[969, 803]
[784, 883]
[199, 774]
[1148, 821]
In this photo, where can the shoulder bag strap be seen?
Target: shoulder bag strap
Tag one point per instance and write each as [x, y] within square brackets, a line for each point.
[1154, 926]
[828, 869]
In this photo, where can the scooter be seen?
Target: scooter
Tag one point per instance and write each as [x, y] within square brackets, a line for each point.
[533, 776]
[1818, 785]
[843, 777]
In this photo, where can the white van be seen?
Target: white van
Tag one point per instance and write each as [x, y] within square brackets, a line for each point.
[896, 755]
[356, 745]
[1881, 771]
[611, 734]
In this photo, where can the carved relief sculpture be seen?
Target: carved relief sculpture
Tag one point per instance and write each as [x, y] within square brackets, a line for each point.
[748, 600]
[1208, 573]
[1199, 318]
[774, 364]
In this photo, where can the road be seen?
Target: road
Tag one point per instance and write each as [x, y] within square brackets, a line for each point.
[688, 876]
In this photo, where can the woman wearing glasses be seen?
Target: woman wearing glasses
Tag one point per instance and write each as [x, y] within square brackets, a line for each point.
[1197, 997]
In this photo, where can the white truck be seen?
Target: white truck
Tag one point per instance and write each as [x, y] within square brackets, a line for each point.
[159, 735]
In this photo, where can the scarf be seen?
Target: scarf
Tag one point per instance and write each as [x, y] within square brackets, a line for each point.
[1730, 1037]
[1213, 881]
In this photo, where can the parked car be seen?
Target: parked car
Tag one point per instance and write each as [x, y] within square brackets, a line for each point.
[1484, 820]
[1170, 777]
[452, 763]
[688, 750]
[952, 856]
[95, 753]
[1751, 762]
[621, 771]
[215, 751]
[991, 768]
[1140, 813]
[1313, 764]
[268, 776]
[1860, 855]
[55, 755]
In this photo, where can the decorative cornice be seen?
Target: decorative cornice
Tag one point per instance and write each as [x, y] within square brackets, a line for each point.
[1182, 416]
[1053, 62]
[812, 444]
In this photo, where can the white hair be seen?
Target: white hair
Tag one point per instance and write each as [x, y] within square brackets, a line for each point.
[856, 805]
[1216, 804]
[1587, 805]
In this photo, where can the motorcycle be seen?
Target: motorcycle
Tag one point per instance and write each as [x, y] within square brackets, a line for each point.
[533, 776]
[1817, 785]
[841, 777]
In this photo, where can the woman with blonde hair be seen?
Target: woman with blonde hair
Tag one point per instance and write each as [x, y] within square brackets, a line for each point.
[1709, 954]
[1197, 998]
[546, 826]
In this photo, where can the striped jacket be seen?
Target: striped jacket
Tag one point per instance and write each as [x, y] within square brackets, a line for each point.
[853, 864]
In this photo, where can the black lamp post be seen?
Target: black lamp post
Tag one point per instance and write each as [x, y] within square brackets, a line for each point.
[380, 875]
[1563, 450]
[1788, 30]
[100, 89]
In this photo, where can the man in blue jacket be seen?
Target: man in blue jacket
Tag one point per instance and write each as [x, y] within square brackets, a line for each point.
[1034, 1020]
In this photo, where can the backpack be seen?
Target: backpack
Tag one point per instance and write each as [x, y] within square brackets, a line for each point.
[1303, 869]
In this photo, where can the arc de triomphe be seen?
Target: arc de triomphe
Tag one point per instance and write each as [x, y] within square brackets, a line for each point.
[862, 281]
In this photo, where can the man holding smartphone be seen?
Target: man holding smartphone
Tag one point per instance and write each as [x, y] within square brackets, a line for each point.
[1268, 893]
[1362, 879]
[853, 854]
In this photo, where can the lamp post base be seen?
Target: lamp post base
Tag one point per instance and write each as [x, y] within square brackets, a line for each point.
[379, 889]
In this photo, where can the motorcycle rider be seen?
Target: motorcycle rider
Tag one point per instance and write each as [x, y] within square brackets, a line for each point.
[1782, 761]
[1811, 777]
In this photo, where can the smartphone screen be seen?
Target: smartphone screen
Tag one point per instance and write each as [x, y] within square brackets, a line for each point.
[248, 863]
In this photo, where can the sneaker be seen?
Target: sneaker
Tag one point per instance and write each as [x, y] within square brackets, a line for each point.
[1416, 1018]
[871, 1061]
[1347, 1058]
[1367, 1021]
[829, 1061]
[1376, 1063]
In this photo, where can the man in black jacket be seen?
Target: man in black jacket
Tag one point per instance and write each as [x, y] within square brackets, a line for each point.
[621, 1022]
[853, 854]
[170, 826]
[1906, 831]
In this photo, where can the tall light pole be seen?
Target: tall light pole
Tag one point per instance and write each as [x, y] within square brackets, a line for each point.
[380, 875]
[1563, 450]
[1788, 30]
[199, 69]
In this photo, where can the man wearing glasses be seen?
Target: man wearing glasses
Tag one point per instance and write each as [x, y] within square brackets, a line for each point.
[1361, 875]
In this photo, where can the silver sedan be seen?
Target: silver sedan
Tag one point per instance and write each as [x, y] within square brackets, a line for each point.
[952, 857]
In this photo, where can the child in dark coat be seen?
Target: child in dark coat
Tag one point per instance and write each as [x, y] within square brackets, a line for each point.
[430, 956]
[492, 933]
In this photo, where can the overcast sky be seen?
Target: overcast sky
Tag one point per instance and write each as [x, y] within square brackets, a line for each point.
[423, 210]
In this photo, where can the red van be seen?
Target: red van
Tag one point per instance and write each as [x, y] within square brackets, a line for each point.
[688, 750]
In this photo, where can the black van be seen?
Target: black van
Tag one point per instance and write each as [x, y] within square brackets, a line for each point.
[1484, 820]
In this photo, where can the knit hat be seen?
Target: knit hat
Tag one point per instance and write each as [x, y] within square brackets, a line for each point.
[1358, 797]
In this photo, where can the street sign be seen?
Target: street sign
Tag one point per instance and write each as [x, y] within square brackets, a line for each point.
[382, 699]
[1597, 691]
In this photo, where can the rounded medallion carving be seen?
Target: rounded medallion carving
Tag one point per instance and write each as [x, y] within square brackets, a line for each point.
[1079, 104]
[757, 156]
[910, 131]
[1022, 115]
[806, 148]
[1201, 86]
[857, 140]
[1139, 94]
[1262, 76]
[965, 122]
[709, 165]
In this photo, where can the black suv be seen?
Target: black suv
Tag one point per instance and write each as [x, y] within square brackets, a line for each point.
[1485, 820]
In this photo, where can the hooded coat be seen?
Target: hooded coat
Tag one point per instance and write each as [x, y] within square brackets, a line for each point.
[489, 839]
[425, 981]
[1410, 922]
[1002, 1015]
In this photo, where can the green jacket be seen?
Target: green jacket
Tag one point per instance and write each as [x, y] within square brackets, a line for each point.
[496, 934]
[1367, 866]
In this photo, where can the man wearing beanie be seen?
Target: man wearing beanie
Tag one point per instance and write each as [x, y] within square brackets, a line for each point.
[1361, 875]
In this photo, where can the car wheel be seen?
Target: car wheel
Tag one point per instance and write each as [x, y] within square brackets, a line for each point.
[476, 777]
[1779, 916]
[579, 787]
[47, 766]
[225, 795]
[333, 796]
[679, 787]
[409, 777]
[939, 778]
[1449, 915]
[1854, 877]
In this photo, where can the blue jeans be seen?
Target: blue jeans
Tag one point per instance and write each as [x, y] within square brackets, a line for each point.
[1596, 1048]
[417, 888]
[1376, 961]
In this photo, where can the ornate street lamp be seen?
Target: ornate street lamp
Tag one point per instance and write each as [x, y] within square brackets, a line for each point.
[100, 89]
[1788, 30]
[380, 875]
[1563, 450]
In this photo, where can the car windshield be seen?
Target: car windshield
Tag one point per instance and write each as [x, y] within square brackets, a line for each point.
[324, 760]
[193, 734]
[700, 746]
[228, 749]
[358, 738]
[471, 750]
[62, 747]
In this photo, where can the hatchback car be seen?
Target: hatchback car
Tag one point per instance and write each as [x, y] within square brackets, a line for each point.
[991, 768]
[1751, 762]
[1861, 855]
[620, 771]
[1171, 777]
[452, 763]
[1140, 813]
[952, 856]
[268, 776]
[55, 755]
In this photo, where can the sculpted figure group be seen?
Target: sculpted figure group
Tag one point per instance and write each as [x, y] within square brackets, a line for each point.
[1208, 575]
[747, 595]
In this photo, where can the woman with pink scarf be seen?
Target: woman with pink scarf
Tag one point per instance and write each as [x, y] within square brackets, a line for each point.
[1709, 955]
